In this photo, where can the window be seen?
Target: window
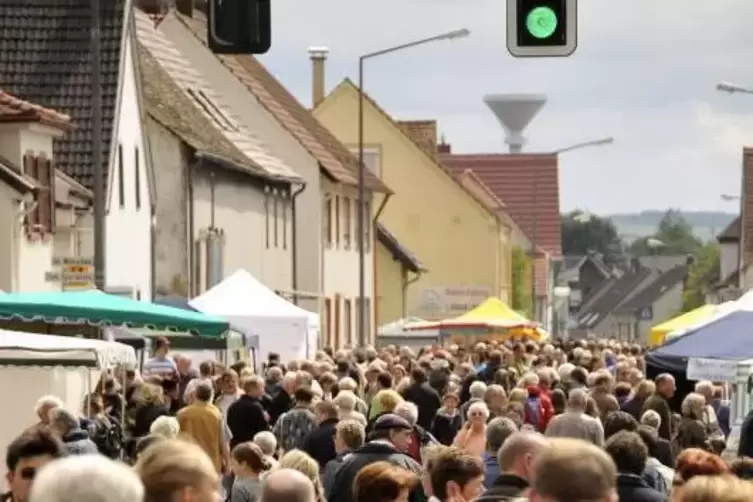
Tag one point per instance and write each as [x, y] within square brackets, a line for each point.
[137, 176]
[367, 223]
[275, 207]
[327, 222]
[211, 109]
[326, 321]
[267, 215]
[121, 184]
[347, 223]
[42, 218]
[372, 159]
[285, 208]
[337, 220]
[348, 321]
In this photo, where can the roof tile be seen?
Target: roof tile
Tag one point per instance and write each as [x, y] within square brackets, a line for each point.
[45, 59]
[205, 98]
[731, 232]
[13, 109]
[398, 251]
[337, 161]
[528, 184]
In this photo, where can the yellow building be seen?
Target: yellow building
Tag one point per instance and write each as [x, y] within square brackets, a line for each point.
[454, 225]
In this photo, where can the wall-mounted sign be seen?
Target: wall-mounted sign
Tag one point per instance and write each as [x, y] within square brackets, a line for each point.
[72, 273]
[716, 370]
[450, 301]
[646, 313]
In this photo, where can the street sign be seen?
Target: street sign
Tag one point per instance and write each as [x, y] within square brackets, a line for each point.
[72, 273]
[646, 313]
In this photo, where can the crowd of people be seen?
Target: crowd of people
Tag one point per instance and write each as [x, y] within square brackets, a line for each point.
[546, 422]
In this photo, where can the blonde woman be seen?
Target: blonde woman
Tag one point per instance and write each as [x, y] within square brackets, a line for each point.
[385, 401]
[150, 405]
[172, 470]
[716, 488]
[346, 403]
[691, 432]
[302, 462]
[166, 427]
[472, 437]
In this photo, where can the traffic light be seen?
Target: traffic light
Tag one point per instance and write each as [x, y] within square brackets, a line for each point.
[542, 28]
[239, 26]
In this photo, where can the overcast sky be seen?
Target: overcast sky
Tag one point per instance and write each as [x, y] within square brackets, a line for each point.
[644, 72]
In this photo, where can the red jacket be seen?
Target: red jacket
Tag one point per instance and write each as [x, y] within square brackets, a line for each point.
[547, 409]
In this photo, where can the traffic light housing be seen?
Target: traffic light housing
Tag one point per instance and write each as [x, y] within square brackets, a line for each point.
[239, 26]
[542, 28]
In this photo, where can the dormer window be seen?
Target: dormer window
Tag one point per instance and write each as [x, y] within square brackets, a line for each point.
[40, 169]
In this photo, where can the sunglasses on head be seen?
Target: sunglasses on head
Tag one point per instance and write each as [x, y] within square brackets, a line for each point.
[28, 473]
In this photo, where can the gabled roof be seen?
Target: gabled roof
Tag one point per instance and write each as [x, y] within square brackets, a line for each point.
[655, 290]
[45, 59]
[13, 109]
[420, 145]
[196, 90]
[399, 252]
[731, 233]
[610, 296]
[333, 157]
[168, 105]
[529, 186]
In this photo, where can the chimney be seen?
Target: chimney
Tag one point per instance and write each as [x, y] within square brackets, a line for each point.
[318, 56]
[185, 7]
[423, 132]
[444, 147]
[746, 211]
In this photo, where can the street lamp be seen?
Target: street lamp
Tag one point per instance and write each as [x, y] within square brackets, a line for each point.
[581, 218]
[362, 314]
[732, 88]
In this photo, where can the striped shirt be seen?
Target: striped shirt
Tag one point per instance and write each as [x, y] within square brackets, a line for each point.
[159, 366]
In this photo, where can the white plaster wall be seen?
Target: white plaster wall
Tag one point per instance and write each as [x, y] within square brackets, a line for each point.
[728, 259]
[128, 228]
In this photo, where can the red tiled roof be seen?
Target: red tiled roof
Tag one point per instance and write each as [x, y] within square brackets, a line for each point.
[528, 184]
[13, 109]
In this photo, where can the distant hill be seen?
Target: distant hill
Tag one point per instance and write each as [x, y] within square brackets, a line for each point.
[706, 224]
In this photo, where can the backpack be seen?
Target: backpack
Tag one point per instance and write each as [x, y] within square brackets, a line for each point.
[108, 436]
[533, 411]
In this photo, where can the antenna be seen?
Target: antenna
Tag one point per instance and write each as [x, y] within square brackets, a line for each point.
[515, 112]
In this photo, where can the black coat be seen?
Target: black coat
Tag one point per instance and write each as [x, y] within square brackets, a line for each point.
[245, 419]
[445, 427]
[664, 452]
[506, 486]
[745, 446]
[426, 399]
[377, 451]
[320, 443]
[281, 403]
[144, 418]
[634, 489]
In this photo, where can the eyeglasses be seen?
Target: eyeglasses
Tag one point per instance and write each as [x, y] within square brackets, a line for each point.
[28, 473]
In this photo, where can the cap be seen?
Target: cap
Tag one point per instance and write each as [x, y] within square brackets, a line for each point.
[391, 421]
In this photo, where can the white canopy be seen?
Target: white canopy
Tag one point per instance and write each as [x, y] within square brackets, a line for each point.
[16, 345]
[254, 309]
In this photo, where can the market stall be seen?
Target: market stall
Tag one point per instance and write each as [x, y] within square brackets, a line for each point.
[32, 366]
[659, 333]
[491, 320]
[255, 310]
[394, 333]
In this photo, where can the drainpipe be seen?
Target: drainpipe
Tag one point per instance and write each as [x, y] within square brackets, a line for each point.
[193, 286]
[294, 241]
[153, 250]
[406, 284]
[375, 285]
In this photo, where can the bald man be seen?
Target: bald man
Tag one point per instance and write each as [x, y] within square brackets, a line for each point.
[516, 458]
[287, 485]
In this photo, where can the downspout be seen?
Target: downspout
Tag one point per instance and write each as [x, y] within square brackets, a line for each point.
[153, 250]
[193, 287]
[406, 284]
[294, 241]
[375, 280]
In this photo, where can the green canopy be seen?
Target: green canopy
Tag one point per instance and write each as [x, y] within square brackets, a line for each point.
[96, 307]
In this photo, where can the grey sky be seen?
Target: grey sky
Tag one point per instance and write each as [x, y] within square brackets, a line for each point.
[644, 72]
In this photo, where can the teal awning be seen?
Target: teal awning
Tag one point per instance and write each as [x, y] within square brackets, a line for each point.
[95, 307]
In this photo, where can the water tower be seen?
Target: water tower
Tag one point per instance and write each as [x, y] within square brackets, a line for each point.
[515, 112]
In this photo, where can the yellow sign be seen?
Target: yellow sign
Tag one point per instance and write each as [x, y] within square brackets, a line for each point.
[74, 273]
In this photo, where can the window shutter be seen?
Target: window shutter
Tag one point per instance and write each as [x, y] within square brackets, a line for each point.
[44, 200]
[30, 170]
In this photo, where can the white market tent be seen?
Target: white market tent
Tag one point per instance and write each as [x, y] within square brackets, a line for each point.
[255, 310]
[31, 366]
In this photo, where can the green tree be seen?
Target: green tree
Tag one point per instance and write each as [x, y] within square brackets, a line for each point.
[583, 233]
[521, 282]
[702, 276]
[674, 236]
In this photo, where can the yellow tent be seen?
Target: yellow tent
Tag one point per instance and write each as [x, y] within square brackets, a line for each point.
[491, 314]
[660, 331]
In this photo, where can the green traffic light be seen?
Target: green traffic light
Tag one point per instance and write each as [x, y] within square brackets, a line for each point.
[541, 22]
